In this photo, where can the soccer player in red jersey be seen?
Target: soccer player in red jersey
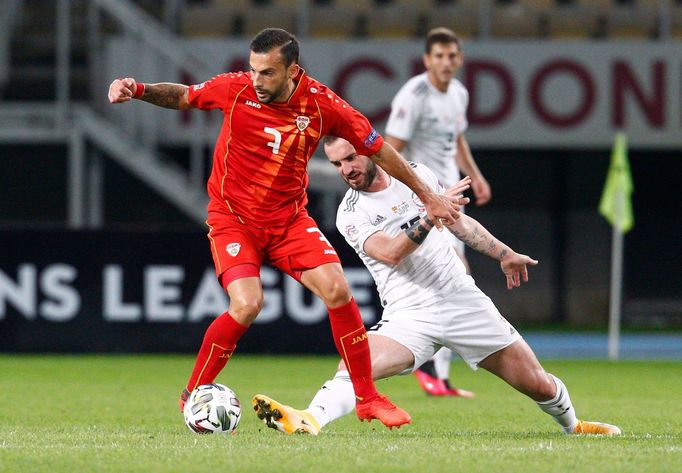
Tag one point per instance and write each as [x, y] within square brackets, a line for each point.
[274, 117]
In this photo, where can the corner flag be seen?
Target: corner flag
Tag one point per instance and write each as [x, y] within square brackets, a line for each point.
[616, 207]
[616, 202]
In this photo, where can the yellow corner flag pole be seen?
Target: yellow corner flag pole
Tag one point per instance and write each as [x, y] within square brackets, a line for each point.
[616, 207]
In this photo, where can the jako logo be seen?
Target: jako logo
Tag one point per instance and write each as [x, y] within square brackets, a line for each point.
[359, 339]
[251, 103]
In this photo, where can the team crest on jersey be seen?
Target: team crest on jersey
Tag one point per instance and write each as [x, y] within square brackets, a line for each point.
[401, 208]
[302, 122]
[352, 232]
[378, 219]
[233, 248]
[417, 201]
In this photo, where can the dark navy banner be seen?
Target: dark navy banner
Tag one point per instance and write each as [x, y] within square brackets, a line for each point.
[63, 291]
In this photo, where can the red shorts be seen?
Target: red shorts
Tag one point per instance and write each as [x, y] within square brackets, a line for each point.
[299, 247]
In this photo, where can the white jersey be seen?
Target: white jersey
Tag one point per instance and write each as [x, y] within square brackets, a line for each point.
[430, 121]
[423, 277]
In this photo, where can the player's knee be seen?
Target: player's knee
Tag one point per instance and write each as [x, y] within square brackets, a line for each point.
[246, 308]
[337, 292]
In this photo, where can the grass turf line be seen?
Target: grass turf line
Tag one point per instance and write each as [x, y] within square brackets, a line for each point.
[119, 414]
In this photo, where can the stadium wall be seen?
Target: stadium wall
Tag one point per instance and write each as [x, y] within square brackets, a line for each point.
[522, 94]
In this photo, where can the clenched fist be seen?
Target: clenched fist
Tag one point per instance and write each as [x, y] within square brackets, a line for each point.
[122, 90]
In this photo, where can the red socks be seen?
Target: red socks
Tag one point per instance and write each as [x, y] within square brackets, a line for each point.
[220, 340]
[351, 342]
[349, 335]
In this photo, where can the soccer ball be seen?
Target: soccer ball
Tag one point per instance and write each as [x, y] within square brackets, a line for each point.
[212, 409]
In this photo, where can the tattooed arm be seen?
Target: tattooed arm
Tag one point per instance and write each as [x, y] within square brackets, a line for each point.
[164, 94]
[392, 250]
[167, 95]
[475, 235]
[382, 247]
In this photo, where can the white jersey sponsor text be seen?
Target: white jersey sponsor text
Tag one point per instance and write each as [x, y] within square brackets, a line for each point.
[422, 277]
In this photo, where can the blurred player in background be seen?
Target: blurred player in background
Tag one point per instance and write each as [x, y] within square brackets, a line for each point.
[274, 117]
[429, 300]
[427, 124]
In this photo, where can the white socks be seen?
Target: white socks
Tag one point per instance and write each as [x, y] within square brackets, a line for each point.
[561, 407]
[335, 399]
[441, 363]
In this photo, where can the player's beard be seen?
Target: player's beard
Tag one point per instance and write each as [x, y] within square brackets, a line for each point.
[369, 176]
[272, 95]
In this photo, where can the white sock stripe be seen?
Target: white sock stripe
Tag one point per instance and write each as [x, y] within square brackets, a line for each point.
[560, 392]
[560, 408]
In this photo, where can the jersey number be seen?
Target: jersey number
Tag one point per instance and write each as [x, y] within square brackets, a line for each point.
[322, 237]
[276, 142]
[412, 221]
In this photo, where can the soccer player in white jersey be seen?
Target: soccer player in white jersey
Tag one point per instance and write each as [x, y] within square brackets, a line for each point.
[427, 125]
[429, 300]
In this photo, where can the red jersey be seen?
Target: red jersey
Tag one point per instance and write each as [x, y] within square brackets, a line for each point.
[261, 155]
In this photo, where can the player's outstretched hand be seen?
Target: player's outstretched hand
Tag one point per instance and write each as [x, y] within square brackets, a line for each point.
[122, 90]
[441, 210]
[456, 192]
[515, 268]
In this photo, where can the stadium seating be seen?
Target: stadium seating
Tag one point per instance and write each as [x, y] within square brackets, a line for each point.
[280, 13]
[339, 18]
[347, 22]
[396, 19]
[515, 20]
[214, 18]
[572, 22]
[636, 21]
[557, 19]
[461, 16]
[675, 17]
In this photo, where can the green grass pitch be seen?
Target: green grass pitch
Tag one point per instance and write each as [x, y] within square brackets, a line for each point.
[119, 414]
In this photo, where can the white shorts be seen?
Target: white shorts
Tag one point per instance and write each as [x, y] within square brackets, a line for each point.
[467, 322]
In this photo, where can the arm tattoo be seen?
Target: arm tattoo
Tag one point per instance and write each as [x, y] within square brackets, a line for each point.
[164, 95]
[418, 232]
[482, 241]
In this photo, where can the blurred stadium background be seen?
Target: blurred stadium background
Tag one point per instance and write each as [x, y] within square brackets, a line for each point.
[102, 240]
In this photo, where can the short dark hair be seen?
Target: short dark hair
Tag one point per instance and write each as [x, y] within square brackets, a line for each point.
[329, 140]
[271, 38]
[440, 35]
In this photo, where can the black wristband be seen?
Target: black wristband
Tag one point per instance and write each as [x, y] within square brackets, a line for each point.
[418, 232]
